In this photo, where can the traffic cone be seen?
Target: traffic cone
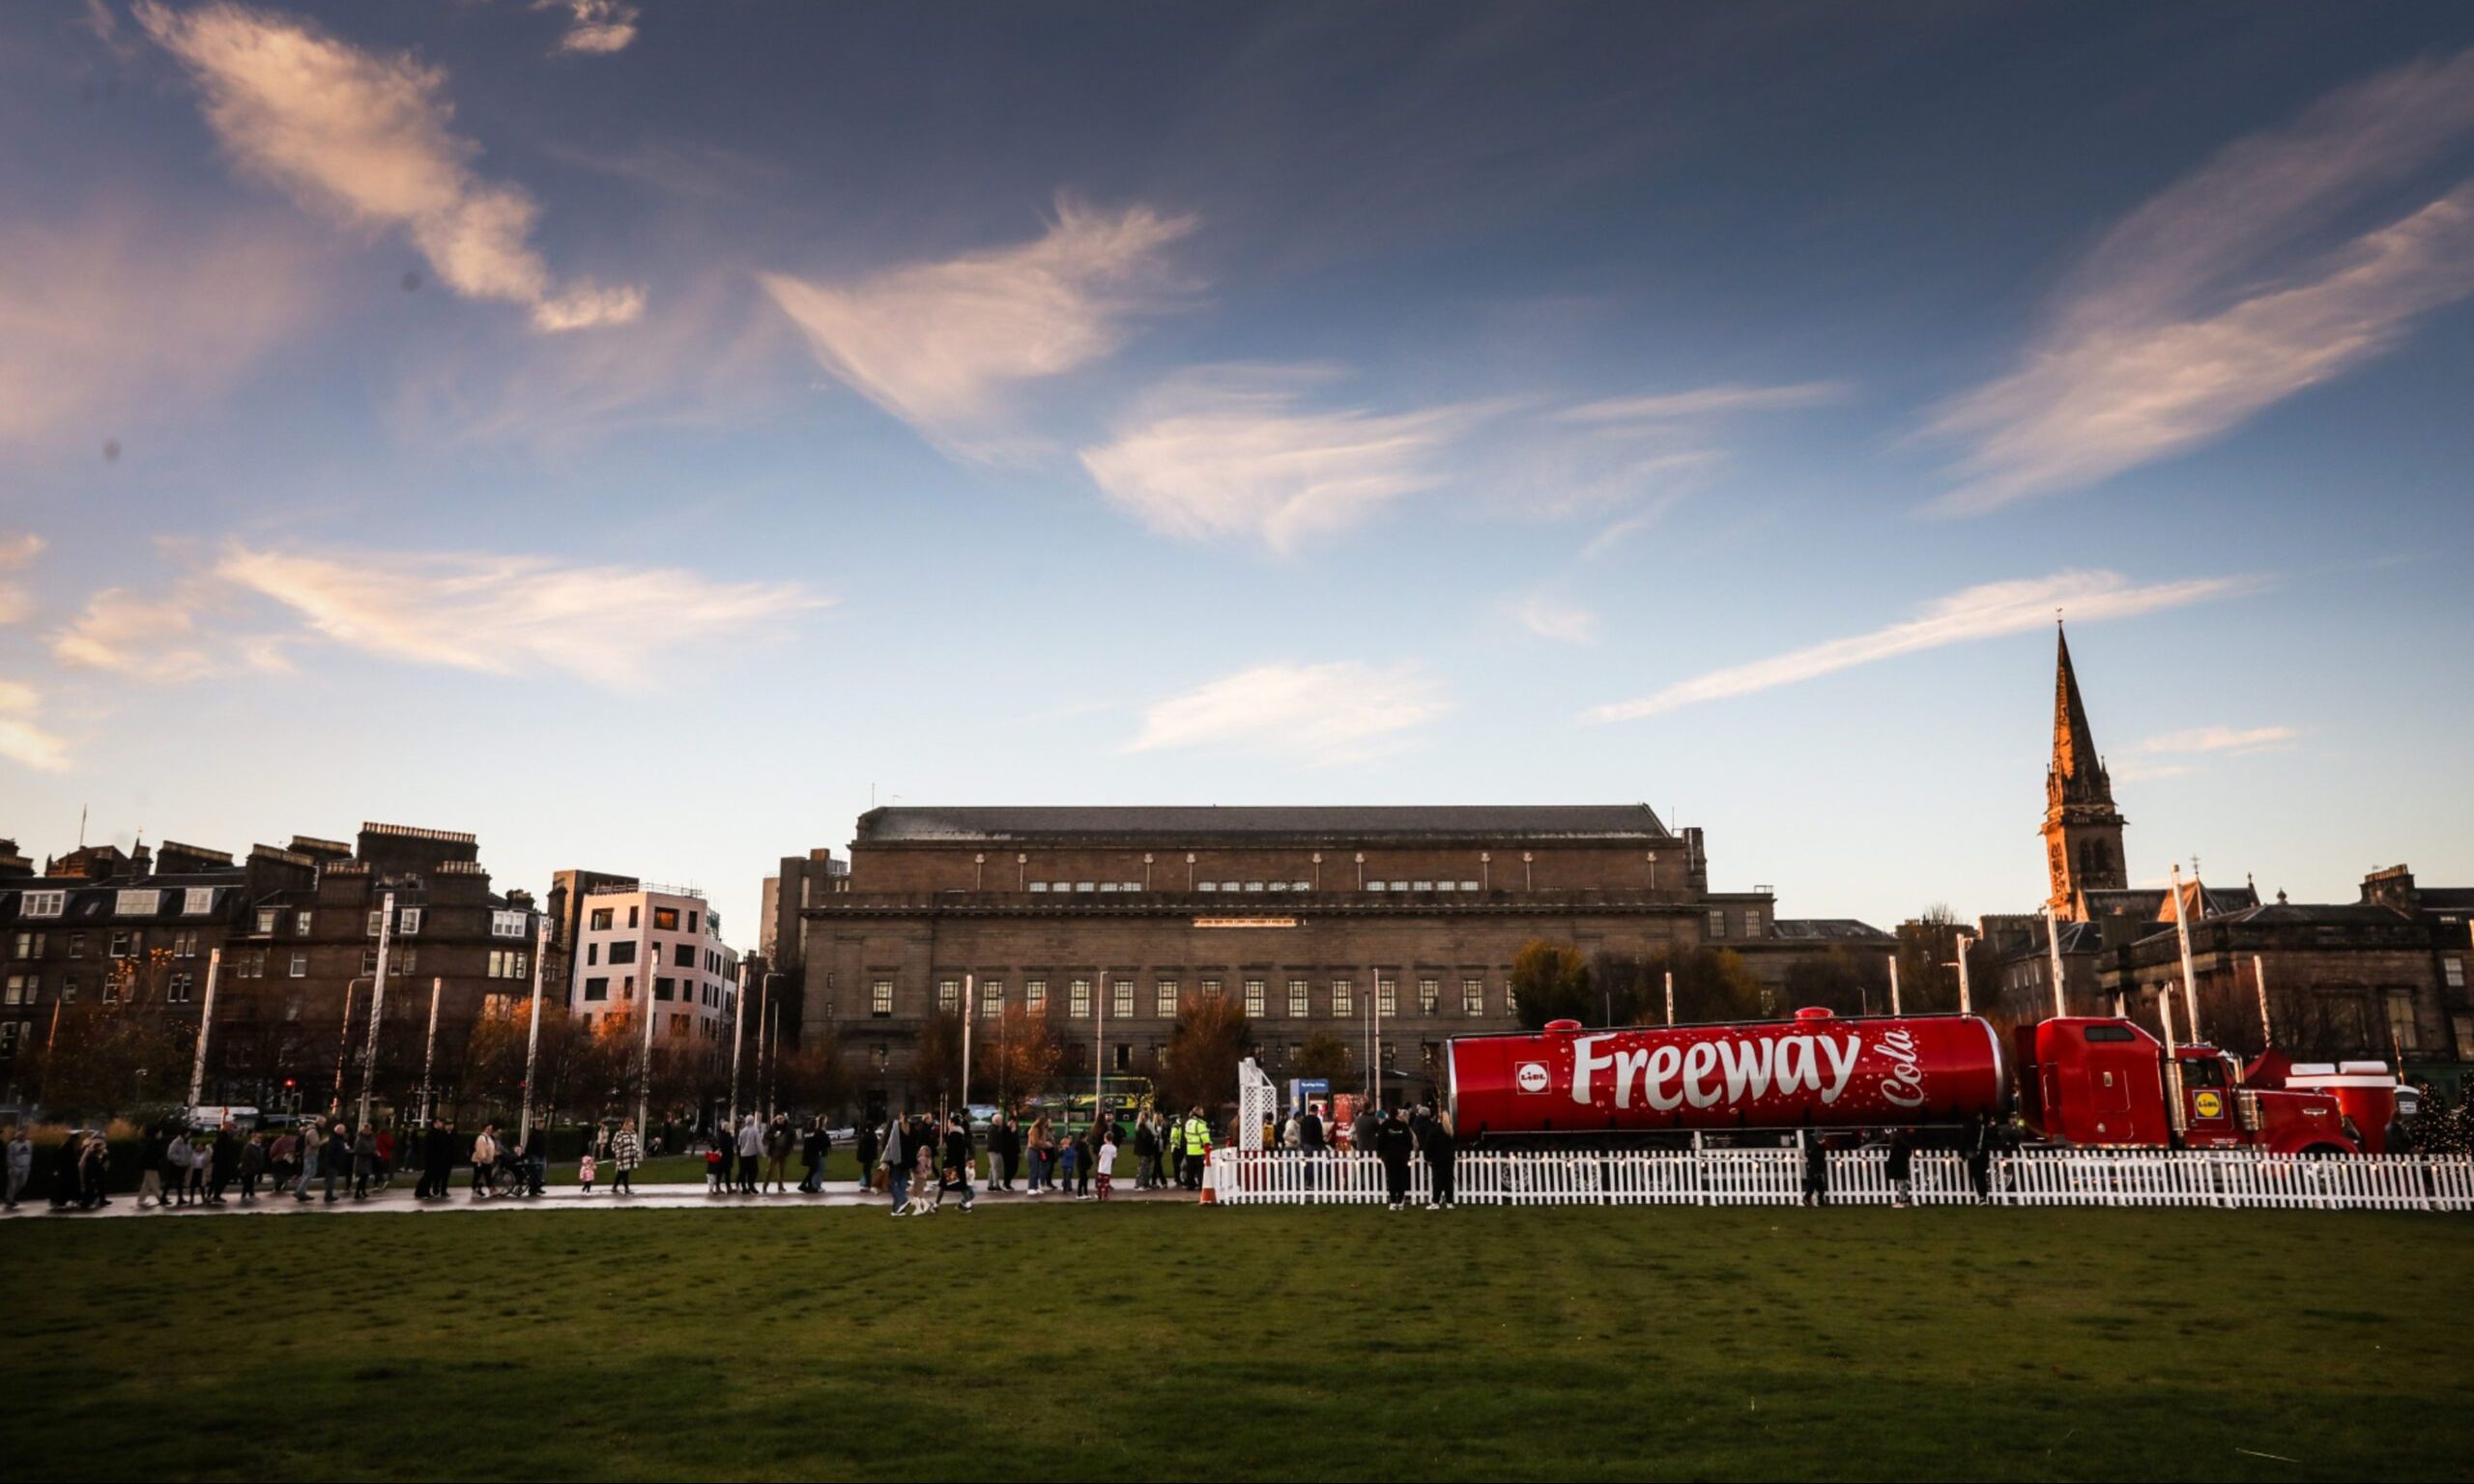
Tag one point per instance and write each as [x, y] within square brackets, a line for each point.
[1208, 1198]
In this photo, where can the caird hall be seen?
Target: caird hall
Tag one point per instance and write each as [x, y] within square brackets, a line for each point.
[1313, 919]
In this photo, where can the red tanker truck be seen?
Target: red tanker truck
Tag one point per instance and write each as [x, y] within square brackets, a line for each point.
[2081, 1081]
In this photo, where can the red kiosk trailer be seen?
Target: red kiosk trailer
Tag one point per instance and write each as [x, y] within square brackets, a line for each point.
[1817, 1071]
[2091, 1081]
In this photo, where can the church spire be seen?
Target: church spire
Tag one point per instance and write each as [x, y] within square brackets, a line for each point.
[2075, 763]
[2083, 830]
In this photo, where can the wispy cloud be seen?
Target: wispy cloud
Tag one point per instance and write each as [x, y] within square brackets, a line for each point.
[937, 344]
[1231, 451]
[366, 135]
[1975, 612]
[1703, 402]
[21, 739]
[616, 626]
[2219, 739]
[594, 27]
[1551, 617]
[2207, 304]
[17, 552]
[169, 640]
[1319, 714]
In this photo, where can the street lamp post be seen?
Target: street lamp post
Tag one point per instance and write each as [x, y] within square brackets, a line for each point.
[532, 1028]
[205, 1026]
[430, 1054]
[377, 1007]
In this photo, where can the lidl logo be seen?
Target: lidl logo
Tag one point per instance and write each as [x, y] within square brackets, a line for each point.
[2209, 1105]
[1532, 1076]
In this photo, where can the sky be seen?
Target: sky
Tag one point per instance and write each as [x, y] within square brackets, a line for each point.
[648, 434]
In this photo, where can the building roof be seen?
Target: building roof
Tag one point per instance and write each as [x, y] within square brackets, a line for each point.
[1828, 930]
[1201, 824]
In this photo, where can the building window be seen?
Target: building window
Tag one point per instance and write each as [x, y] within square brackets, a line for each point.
[77, 945]
[624, 950]
[881, 999]
[266, 921]
[176, 991]
[1343, 999]
[1254, 999]
[682, 955]
[991, 998]
[301, 923]
[185, 945]
[2402, 1025]
[43, 903]
[123, 942]
[601, 918]
[1164, 999]
[1039, 886]
[143, 902]
[664, 987]
[29, 946]
[1121, 998]
[597, 987]
[665, 918]
[1387, 996]
[1301, 999]
[1717, 922]
[1035, 995]
[949, 995]
[1752, 922]
[1511, 996]
[506, 925]
[1473, 997]
[409, 920]
[300, 964]
[198, 901]
[1211, 989]
[374, 917]
[2454, 970]
[23, 990]
[1077, 999]
[1428, 992]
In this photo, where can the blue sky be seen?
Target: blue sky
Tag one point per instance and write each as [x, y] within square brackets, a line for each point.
[643, 433]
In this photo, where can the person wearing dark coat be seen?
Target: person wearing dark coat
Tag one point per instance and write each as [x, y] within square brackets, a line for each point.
[1816, 1169]
[1011, 1155]
[1902, 1166]
[224, 1164]
[92, 1173]
[1979, 1152]
[867, 1153]
[1392, 1143]
[954, 1172]
[536, 1157]
[65, 1173]
[815, 1144]
[1442, 1149]
[253, 1164]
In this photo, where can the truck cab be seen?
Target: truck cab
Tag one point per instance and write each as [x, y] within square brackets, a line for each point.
[2103, 1082]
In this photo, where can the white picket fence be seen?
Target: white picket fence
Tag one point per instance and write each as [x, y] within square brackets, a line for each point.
[1775, 1177]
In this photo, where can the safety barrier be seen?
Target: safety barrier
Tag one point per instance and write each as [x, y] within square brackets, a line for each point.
[2245, 1179]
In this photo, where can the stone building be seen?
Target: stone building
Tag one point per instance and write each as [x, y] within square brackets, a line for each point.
[298, 930]
[2381, 977]
[1315, 920]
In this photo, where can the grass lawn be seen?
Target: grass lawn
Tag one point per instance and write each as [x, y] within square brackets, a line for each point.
[1148, 1341]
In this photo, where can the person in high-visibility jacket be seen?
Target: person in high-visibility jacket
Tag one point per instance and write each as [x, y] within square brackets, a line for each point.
[1173, 1150]
[1197, 1139]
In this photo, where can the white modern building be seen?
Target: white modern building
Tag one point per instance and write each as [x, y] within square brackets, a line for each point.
[639, 945]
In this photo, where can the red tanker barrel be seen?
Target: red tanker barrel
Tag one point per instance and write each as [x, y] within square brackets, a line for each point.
[1814, 1072]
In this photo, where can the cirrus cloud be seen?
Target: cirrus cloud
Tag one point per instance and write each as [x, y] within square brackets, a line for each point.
[366, 135]
[1319, 714]
[1981, 611]
[2206, 306]
[938, 343]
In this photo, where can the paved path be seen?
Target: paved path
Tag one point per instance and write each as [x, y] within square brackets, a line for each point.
[672, 1197]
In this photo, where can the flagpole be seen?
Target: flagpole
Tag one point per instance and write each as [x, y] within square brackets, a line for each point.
[2189, 981]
